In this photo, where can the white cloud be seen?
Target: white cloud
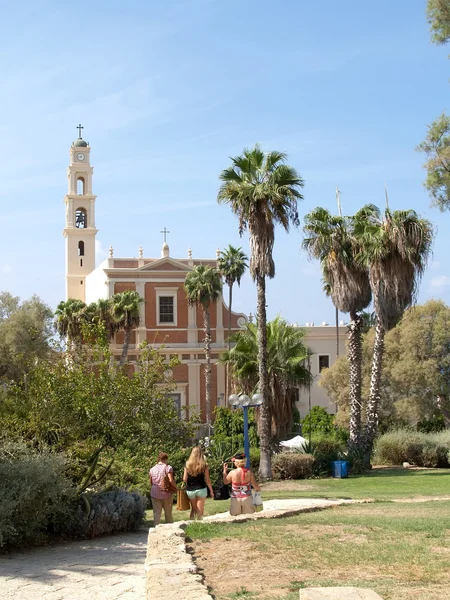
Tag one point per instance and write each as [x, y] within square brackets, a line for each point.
[440, 282]
[5, 269]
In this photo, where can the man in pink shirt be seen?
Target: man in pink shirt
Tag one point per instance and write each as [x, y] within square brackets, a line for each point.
[160, 498]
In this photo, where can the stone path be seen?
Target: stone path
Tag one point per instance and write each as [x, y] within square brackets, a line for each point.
[108, 568]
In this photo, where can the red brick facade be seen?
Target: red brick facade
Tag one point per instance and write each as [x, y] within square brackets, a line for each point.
[183, 336]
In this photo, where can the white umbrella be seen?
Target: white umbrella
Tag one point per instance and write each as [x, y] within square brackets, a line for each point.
[298, 442]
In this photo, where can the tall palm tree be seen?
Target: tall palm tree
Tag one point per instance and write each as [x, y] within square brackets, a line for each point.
[262, 190]
[125, 308]
[69, 319]
[233, 263]
[286, 356]
[203, 286]
[395, 247]
[329, 239]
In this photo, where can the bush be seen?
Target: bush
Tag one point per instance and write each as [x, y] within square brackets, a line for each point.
[109, 512]
[293, 465]
[325, 449]
[420, 449]
[318, 420]
[32, 487]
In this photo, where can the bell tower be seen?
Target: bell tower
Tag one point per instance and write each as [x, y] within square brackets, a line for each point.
[79, 229]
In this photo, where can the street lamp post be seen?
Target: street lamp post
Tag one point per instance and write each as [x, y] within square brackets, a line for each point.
[243, 401]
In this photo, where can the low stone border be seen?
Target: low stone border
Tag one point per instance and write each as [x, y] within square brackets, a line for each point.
[171, 573]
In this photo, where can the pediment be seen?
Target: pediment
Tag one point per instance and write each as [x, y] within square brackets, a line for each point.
[165, 264]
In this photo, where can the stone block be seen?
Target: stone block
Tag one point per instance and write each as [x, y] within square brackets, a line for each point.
[338, 593]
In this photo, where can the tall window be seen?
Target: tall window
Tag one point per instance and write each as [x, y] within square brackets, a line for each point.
[324, 362]
[80, 248]
[80, 218]
[166, 312]
[80, 186]
[177, 402]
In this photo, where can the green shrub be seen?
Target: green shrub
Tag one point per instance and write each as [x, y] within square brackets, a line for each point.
[293, 465]
[32, 487]
[318, 420]
[325, 449]
[255, 456]
[109, 512]
[406, 445]
[431, 425]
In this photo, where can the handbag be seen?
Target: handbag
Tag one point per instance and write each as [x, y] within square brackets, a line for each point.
[222, 493]
[257, 501]
[168, 486]
[182, 500]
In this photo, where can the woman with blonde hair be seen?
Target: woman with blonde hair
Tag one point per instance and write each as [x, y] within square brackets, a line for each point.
[196, 477]
[242, 481]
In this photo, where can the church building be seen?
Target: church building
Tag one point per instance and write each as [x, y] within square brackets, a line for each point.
[166, 320]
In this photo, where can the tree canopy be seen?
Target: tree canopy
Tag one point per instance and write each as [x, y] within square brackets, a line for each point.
[415, 383]
[25, 331]
[436, 145]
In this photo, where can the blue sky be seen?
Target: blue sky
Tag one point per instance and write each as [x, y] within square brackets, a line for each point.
[167, 91]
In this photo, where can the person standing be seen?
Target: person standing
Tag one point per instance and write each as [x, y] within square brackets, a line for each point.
[160, 498]
[242, 481]
[196, 477]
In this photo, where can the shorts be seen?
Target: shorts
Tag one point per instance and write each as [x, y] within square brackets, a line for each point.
[242, 506]
[201, 493]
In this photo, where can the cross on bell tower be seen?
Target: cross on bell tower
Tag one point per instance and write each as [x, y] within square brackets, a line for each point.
[79, 127]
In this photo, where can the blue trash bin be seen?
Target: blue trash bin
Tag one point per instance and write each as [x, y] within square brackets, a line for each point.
[339, 469]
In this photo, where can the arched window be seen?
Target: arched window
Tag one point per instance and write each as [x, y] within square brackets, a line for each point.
[80, 248]
[80, 218]
[80, 186]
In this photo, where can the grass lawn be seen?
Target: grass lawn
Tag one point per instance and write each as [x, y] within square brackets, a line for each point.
[401, 550]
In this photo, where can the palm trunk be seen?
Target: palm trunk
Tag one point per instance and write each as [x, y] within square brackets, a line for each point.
[337, 332]
[374, 395]
[230, 299]
[265, 466]
[355, 360]
[126, 343]
[337, 348]
[207, 330]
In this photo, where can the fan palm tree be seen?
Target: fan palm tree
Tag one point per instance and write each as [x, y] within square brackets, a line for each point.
[262, 190]
[232, 264]
[395, 247]
[286, 356]
[203, 286]
[329, 239]
[69, 319]
[125, 308]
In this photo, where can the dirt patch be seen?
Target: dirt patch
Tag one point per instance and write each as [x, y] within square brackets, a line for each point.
[421, 499]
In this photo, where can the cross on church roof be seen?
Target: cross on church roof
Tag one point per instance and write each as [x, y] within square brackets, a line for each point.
[165, 232]
[79, 127]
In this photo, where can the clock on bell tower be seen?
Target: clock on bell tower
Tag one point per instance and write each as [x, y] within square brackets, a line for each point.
[79, 229]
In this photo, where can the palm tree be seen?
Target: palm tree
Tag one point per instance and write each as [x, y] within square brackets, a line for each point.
[329, 239]
[203, 286]
[286, 357]
[395, 247]
[125, 309]
[262, 190]
[100, 313]
[69, 319]
[233, 263]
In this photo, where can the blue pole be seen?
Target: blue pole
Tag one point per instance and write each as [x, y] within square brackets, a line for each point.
[246, 442]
